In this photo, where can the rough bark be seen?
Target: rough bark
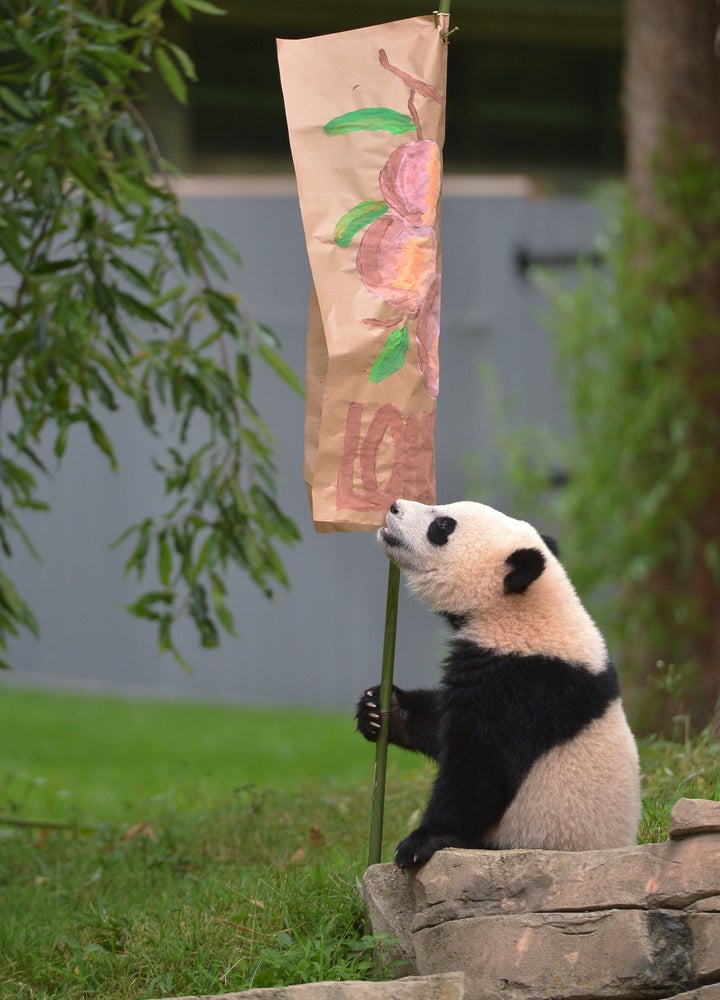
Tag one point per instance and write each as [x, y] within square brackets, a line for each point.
[671, 82]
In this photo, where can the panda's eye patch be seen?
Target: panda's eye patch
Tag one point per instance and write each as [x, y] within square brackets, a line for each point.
[440, 530]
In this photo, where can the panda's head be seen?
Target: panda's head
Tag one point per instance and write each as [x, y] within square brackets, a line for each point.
[494, 577]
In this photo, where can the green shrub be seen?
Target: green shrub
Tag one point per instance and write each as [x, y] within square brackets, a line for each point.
[638, 348]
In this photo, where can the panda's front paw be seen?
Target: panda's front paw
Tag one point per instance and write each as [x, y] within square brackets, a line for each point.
[419, 847]
[368, 714]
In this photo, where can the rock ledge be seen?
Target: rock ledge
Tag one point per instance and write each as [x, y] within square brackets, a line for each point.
[447, 986]
[628, 923]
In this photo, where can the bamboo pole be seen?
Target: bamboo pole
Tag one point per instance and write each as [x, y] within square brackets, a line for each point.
[386, 683]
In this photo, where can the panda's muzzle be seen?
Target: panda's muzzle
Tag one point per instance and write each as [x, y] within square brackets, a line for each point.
[387, 538]
[388, 535]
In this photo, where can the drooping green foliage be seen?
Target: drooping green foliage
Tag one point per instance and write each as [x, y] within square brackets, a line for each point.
[112, 296]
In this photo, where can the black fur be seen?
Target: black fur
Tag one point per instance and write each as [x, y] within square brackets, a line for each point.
[455, 621]
[440, 530]
[414, 718]
[492, 717]
[527, 565]
[552, 545]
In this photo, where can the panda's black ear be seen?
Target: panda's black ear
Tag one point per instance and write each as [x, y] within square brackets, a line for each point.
[552, 545]
[527, 565]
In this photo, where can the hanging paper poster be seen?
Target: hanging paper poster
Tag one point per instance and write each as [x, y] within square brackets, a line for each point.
[366, 117]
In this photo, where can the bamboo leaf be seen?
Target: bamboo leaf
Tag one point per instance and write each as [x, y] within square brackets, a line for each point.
[370, 120]
[10, 247]
[100, 438]
[182, 8]
[282, 368]
[356, 219]
[147, 605]
[204, 7]
[171, 75]
[164, 559]
[16, 606]
[184, 61]
[147, 8]
[13, 101]
[45, 266]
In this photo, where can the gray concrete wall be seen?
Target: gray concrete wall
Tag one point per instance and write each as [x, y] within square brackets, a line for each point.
[320, 642]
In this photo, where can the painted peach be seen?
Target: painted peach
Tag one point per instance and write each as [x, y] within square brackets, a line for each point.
[397, 262]
[428, 336]
[410, 181]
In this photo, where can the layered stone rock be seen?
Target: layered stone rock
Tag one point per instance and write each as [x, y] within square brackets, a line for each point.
[547, 925]
[448, 986]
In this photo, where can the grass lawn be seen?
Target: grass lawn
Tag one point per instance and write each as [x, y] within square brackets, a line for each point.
[224, 849]
[93, 759]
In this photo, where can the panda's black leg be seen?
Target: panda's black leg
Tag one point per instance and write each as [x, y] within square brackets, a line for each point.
[417, 848]
[414, 718]
[469, 796]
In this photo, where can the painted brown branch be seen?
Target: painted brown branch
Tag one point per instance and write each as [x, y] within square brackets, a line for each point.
[384, 323]
[419, 85]
[414, 114]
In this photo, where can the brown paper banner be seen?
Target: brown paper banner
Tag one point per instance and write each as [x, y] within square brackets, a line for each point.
[366, 117]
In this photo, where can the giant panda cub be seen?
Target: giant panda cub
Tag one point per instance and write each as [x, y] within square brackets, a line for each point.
[527, 726]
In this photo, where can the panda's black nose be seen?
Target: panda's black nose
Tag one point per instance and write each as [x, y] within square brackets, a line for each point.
[394, 509]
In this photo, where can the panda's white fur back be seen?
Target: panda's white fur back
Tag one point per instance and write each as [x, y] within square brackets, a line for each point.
[580, 796]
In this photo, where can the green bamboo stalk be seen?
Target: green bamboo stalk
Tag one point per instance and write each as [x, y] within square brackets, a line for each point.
[386, 683]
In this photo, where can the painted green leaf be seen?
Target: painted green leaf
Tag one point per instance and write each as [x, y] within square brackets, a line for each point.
[356, 219]
[370, 120]
[391, 357]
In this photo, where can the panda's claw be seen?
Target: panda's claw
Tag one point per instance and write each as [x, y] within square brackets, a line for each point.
[368, 715]
[417, 848]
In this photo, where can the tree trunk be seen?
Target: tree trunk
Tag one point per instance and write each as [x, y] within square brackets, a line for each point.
[671, 104]
[671, 83]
